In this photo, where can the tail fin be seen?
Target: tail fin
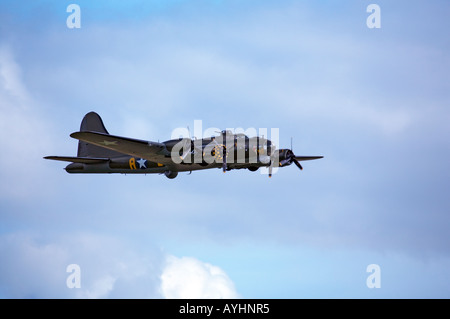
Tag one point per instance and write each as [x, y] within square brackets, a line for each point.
[92, 122]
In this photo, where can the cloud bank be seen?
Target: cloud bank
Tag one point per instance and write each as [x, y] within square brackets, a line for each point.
[109, 268]
[188, 277]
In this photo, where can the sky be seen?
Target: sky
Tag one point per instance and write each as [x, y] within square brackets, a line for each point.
[373, 101]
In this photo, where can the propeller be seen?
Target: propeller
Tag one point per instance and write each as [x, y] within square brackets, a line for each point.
[285, 158]
[189, 147]
[297, 163]
[224, 156]
[192, 148]
[292, 157]
[224, 150]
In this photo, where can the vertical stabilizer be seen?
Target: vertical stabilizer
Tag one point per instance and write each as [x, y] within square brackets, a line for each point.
[92, 122]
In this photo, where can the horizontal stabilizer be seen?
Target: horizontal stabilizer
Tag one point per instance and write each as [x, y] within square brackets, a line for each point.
[307, 158]
[85, 160]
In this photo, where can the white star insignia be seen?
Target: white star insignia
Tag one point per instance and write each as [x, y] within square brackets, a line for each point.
[142, 163]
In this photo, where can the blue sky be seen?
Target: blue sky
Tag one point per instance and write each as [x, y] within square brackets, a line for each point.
[374, 102]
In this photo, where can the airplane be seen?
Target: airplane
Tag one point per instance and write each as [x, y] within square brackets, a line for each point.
[100, 152]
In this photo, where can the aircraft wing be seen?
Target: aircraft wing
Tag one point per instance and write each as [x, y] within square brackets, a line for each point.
[151, 151]
[307, 158]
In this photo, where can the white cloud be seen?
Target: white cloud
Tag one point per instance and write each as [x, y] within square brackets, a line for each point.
[25, 135]
[100, 288]
[36, 267]
[188, 277]
[29, 269]
[10, 76]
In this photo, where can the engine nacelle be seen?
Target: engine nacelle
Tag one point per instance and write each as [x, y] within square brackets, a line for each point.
[284, 157]
[170, 174]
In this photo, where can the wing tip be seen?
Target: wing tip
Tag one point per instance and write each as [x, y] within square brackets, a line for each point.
[307, 158]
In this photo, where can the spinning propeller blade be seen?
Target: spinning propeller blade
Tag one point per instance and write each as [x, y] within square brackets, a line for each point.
[297, 163]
